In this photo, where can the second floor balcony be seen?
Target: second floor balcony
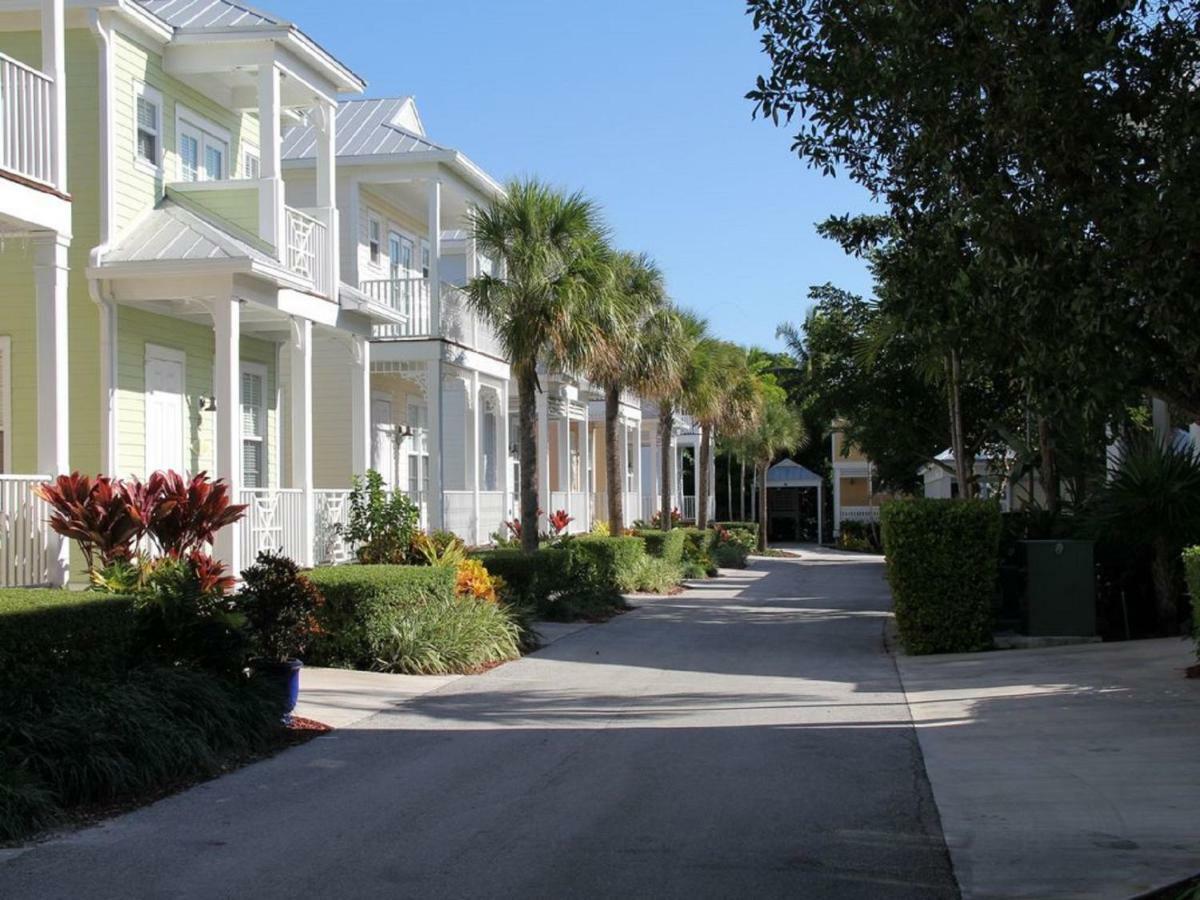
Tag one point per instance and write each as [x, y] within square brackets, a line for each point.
[447, 316]
[26, 107]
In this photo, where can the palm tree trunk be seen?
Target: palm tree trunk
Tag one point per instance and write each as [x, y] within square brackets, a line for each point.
[612, 466]
[527, 453]
[964, 469]
[742, 494]
[762, 507]
[666, 425]
[1049, 468]
[703, 477]
[1164, 585]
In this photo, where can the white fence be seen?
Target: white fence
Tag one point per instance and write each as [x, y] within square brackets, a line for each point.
[26, 145]
[274, 521]
[26, 541]
[309, 251]
[859, 514]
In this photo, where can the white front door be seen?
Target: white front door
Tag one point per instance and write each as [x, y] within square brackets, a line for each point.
[164, 410]
[383, 451]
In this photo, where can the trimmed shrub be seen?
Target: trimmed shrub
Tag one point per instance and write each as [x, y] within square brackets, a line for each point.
[1191, 567]
[362, 605]
[605, 566]
[697, 545]
[942, 565]
[85, 739]
[666, 545]
[64, 631]
[729, 556]
[530, 579]
[863, 537]
[751, 527]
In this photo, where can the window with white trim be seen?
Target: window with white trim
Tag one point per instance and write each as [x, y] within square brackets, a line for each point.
[5, 405]
[251, 165]
[147, 113]
[254, 425]
[374, 238]
[203, 148]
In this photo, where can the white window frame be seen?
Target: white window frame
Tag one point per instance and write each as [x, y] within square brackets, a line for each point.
[374, 239]
[6, 404]
[207, 133]
[143, 91]
[259, 370]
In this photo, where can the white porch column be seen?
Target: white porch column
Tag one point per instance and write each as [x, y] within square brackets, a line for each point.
[637, 449]
[300, 375]
[433, 196]
[326, 118]
[54, 65]
[476, 456]
[543, 449]
[270, 190]
[585, 466]
[50, 271]
[564, 456]
[505, 459]
[433, 403]
[837, 503]
[360, 405]
[227, 314]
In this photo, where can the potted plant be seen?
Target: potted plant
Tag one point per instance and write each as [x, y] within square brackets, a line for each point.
[281, 606]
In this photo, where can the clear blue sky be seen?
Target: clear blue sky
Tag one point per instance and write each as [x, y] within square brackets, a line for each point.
[640, 103]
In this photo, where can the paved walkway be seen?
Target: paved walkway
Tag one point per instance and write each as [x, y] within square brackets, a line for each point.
[748, 738]
[1064, 772]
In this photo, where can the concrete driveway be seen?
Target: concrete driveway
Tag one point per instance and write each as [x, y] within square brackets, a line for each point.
[748, 738]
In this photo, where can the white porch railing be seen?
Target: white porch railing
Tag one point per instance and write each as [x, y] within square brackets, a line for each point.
[330, 508]
[25, 538]
[491, 514]
[411, 298]
[26, 144]
[859, 514]
[308, 250]
[274, 521]
[458, 508]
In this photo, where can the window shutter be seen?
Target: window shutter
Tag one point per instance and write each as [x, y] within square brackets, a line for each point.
[147, 115]
[252, 405]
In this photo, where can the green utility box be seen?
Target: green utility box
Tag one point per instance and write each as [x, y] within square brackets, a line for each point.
[1060, 588]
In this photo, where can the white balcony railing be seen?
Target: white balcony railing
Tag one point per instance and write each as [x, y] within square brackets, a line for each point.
[25, 538]
[411, 299]
[308, 251]
[26, 130]
[859, 514]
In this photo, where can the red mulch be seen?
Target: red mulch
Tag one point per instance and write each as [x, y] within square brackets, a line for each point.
[308, 727]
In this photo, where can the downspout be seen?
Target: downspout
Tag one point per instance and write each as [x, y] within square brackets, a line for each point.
[100, 291]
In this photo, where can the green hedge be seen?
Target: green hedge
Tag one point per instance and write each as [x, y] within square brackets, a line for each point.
[665, 545]
[61, 630]
[752, 527]
[605, 565]
[1191, 567]
[531, 579]
[942, 564]
[362, 605]
[697, 552]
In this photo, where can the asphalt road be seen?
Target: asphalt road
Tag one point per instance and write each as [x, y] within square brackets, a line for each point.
[749, 738]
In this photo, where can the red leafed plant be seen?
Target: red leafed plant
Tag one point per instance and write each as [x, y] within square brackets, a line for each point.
[212, 578]
[97, 514]
[514, 526]
[559, 521]
[186, 515]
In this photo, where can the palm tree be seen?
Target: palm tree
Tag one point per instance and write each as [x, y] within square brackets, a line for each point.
[779, 427]
[550, 304]
[645, 358]
[690, 333]
[723, 395]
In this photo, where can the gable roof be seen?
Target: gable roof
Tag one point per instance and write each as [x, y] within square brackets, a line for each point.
[789, 473]
[365, 128]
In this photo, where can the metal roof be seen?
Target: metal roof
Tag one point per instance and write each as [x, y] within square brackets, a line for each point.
[209, 14]
[173, 232]
[364, 128]
[789, 473]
